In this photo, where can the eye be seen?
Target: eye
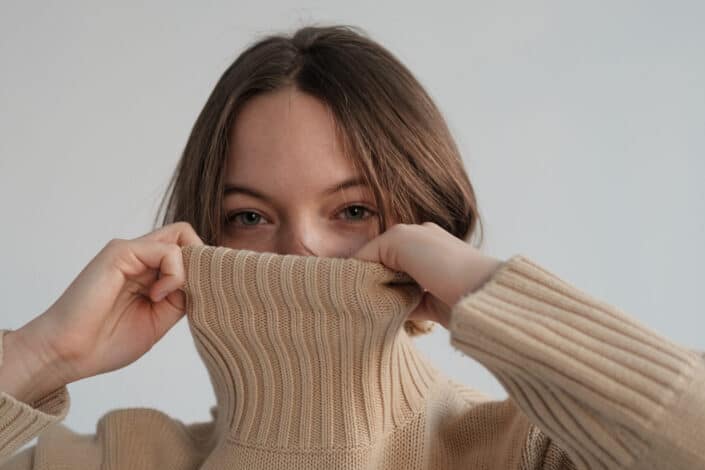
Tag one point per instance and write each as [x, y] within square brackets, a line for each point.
[356, 211]
[251, 220]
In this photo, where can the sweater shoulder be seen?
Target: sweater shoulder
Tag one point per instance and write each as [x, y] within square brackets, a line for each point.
[157, 435]
[473, 428]
[136, 438]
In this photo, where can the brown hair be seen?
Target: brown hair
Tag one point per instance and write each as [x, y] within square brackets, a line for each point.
[387, 123]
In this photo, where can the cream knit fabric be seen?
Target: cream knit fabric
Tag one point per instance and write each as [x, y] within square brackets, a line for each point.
[308, 358]
[312, 368]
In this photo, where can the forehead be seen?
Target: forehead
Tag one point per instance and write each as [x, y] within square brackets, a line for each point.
[283, 133]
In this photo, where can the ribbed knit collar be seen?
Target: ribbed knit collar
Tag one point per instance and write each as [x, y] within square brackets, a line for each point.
[304, 352]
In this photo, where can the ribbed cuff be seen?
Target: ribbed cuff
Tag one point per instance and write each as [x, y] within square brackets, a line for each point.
[20, 422]
[589, 375]
[680, 427]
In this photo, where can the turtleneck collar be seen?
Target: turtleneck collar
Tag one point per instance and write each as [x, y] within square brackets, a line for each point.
[304, 352]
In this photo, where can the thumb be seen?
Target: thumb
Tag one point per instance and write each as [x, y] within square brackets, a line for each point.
[168, 311]
[380, 250]
[431, 308]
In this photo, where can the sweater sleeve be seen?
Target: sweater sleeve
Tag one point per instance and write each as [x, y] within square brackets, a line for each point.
[21, 422]
[609, 391]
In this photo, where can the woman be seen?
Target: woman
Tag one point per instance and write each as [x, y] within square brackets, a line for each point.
[324, 146]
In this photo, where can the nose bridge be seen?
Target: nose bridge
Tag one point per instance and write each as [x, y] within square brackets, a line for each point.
[302, 235]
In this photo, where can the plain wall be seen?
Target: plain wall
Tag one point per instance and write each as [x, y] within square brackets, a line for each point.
[581, 125]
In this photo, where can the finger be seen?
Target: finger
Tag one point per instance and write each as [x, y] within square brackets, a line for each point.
[135, 256]
[382, 249]
[180, 233]
[169, 311]
[369, 251]
[431, 308]
[440, 308]
[171, 274]
[437, 228]
[424, 310]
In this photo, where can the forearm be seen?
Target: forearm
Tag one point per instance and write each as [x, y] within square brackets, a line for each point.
[31, 398]
[482, 269]
[607, 389]
[26, 372]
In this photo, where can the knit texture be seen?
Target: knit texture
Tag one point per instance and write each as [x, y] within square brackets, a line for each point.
[308, 356]
[312, 368]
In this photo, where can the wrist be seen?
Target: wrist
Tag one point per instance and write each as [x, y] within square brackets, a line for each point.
[28, 371]
[482, 269]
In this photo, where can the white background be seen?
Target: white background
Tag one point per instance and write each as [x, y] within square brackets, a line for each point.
[582, 126]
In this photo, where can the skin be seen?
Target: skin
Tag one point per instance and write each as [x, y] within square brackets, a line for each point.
[284, 147]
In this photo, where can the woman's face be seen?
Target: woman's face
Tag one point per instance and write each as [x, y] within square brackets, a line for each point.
[283, 178]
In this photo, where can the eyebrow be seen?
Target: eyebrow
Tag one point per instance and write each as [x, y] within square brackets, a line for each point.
[348, 183]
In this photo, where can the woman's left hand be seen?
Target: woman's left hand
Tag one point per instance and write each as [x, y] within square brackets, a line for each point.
[446, 267]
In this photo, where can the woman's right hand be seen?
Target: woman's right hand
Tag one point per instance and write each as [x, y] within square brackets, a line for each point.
[124, 301]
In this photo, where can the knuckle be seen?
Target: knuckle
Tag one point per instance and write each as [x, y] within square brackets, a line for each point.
[434, 226]
[115, 243]
[183, 225]
[186, 227]
[174, 250]
[400, 227]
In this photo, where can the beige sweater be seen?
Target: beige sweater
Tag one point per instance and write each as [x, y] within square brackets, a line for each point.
[312, 368]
